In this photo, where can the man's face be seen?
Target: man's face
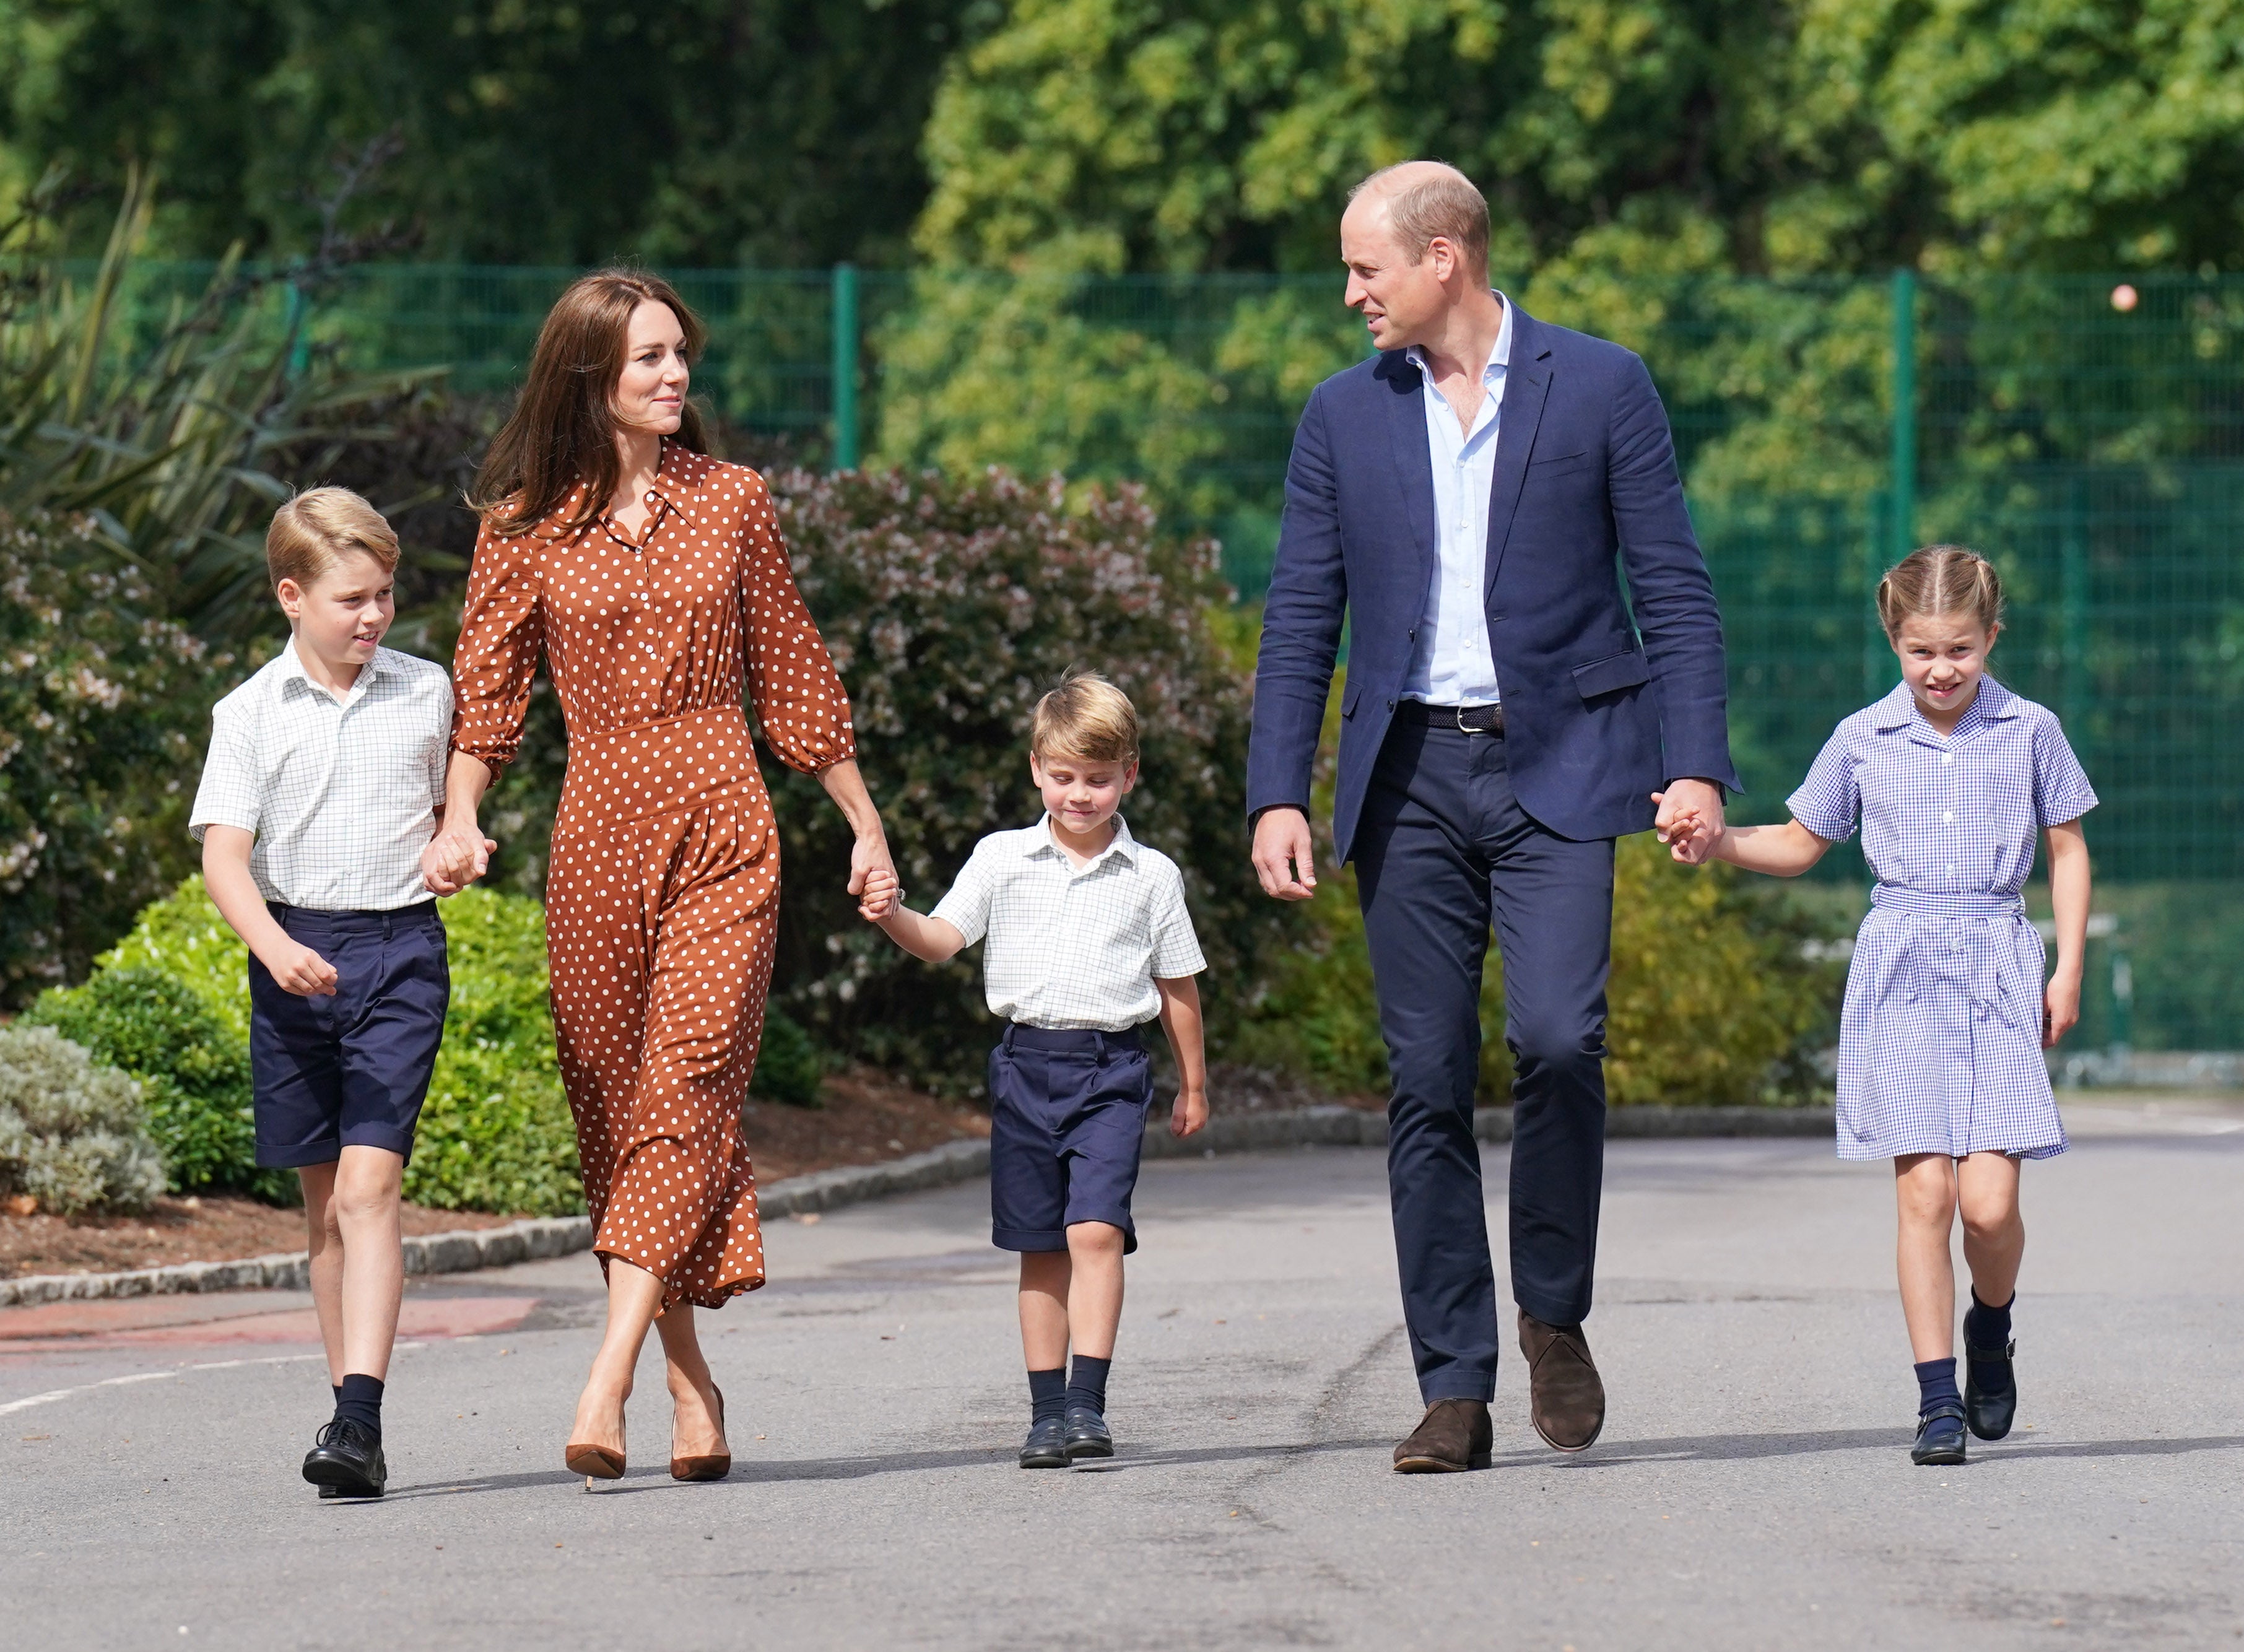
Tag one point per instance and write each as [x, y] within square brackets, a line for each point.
[1401, 299]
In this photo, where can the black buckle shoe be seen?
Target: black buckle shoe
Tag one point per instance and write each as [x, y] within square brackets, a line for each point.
[1989, 1413]
[1086, 1435]
[1046, 1446]
[348, 1458]
[1940, 1438]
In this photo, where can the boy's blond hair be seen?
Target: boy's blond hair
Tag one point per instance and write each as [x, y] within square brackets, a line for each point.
[1086, 717]
[318, 528]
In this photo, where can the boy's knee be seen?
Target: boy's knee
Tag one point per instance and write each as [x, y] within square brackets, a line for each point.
[1094, 1238]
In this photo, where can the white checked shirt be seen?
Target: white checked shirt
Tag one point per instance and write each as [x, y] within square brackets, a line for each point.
[1073, 947]
[1454, 665]
[342, 793]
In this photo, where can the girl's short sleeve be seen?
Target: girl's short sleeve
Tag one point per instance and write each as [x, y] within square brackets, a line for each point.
[1829, 802]
[2061, 790]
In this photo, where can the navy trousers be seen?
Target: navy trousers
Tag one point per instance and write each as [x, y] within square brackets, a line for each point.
[1444, 848]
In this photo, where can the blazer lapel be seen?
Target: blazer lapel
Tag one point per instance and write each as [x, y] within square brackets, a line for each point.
[1403, 387]
[1527, 385]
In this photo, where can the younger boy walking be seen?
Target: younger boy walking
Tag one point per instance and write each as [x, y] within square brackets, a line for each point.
[325, 776]
[1088, 938]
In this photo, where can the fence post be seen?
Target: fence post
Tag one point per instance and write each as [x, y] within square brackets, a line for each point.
[300, 344]
[1902, 517]
[2072, 552]
[845, 367]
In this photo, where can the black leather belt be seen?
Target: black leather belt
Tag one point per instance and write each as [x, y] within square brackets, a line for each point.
[1470, 720]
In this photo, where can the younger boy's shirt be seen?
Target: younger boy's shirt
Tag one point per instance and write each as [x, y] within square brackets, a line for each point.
[1073, 947]
[342, 793]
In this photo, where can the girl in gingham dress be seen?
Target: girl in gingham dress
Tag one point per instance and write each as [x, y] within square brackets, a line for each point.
[1951, 777]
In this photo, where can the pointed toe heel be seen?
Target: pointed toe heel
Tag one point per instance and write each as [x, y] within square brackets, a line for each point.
[713, 1465]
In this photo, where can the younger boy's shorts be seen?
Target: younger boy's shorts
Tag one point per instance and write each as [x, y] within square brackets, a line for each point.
[1067, 1120]
[350, 1069]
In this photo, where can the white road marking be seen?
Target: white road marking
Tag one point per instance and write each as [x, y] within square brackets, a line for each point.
[52, 1395]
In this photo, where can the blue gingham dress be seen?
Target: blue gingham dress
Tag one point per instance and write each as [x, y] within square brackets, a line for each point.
[1940, 1041]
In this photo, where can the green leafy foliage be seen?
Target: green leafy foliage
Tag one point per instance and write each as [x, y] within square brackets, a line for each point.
[71, 1130]
[951, 606]
[495, 1132]
[790, 1067]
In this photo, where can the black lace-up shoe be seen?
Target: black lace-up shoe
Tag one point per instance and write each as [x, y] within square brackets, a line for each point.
[1046, 1446]
[1940, 1438]
[348, 1458]
[1086, 1435]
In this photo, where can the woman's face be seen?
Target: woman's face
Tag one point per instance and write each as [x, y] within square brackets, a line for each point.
[651, 395]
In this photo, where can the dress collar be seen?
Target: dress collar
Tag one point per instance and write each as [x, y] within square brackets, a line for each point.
[1899, 710]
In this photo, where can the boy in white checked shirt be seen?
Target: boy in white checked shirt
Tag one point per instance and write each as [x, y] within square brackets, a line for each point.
[324, 777]
[1088, 938]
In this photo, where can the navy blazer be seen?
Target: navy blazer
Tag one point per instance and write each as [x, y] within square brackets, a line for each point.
[1599, 713]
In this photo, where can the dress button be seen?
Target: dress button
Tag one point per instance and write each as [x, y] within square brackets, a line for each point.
[1950, 816]
[1946, 756]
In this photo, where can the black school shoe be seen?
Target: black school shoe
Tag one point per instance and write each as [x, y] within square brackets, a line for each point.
[348, 1458]
[1046, 1446]
[1990, 1414]
[1940, 1437]
[1086, 1435]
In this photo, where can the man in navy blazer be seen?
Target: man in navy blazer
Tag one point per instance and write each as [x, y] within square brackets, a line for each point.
[1468, 501]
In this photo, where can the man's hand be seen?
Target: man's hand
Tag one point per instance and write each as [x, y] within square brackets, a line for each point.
[1690, 819]
[297, 969]
[1283, 857]
[455, 859]
[1190, 1112]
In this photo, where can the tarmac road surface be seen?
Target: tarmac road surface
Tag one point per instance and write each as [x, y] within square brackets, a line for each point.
[1752, 1488]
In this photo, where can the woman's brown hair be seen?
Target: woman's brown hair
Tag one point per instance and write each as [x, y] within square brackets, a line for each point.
[1940, 578]
[563, 428]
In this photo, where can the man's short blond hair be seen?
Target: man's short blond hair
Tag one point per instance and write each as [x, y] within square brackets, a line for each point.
[318, 528]
[1442, 202]
[1087, 718]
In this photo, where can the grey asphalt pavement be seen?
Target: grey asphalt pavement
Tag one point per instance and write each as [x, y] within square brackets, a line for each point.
[1752, 1489]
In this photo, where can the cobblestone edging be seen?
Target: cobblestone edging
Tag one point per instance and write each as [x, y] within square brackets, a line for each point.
[540, 1237]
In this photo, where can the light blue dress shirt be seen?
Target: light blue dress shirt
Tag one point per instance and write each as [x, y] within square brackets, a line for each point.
[1454, 665]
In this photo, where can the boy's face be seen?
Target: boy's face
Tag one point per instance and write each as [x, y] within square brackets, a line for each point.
[1942, 657]
[1082, 794]
[343, 614]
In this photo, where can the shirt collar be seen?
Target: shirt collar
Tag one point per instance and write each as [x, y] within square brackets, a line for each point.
[292, 670]
[1124, 845]
[1993, 703]
[1499, 359]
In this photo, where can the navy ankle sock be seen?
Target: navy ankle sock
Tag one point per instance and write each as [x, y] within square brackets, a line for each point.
[1989, 1328]
[1048, 1394]
[1935, 1385]
[1086, 1384]
[359, 1401]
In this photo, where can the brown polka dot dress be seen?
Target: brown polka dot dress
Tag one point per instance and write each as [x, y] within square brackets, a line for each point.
[662, 897]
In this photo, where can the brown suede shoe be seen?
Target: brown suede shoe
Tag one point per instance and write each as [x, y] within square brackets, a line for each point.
[1568, 1399]
[1454, 1436]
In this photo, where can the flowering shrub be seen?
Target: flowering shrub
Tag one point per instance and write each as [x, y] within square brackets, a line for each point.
[70, 1131]
[950, 605]
[104, 711]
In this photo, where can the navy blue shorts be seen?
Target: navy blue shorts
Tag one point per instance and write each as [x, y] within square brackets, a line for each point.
[352, 1069]
[1067, 1120]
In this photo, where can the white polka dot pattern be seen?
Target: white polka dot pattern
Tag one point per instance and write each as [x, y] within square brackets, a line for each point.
[663, 894]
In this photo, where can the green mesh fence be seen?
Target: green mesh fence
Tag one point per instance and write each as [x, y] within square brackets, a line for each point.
[2087, 434]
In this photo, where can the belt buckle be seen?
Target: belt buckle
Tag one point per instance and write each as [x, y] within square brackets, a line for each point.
[1458, 712]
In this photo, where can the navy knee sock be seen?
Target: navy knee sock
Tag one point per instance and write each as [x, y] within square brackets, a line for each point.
[1989, 1328]
[359, 1401]
[1086, 1384]
[1048, 1393]
[1935, 1385]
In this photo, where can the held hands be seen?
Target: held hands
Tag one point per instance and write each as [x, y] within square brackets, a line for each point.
[1284, 859]
[1190, 1112]
[881, 895]
[297, 969]
[455, 859]
[1690, 820]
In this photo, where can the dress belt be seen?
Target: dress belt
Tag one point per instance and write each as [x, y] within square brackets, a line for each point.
[1955, 904]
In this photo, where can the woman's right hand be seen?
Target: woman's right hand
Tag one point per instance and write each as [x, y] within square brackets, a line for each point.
[455, 859]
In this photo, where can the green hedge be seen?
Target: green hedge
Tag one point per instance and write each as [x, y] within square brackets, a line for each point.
[170, 1003]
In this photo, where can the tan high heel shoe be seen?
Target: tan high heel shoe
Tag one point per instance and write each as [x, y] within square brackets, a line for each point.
[713, 1467]
[593, 1462]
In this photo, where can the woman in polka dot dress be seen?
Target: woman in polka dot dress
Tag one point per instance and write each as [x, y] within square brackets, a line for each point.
[654, 580]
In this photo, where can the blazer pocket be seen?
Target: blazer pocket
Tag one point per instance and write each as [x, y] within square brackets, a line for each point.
[1611, 674]
[1559, 465]
[1350, 696]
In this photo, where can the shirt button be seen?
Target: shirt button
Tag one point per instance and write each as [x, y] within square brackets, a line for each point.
[1951, 872]
[1946, 756]
[1950, 815]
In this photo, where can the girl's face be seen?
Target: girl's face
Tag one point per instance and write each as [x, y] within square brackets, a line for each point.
[650, 394]
[1942, 657]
